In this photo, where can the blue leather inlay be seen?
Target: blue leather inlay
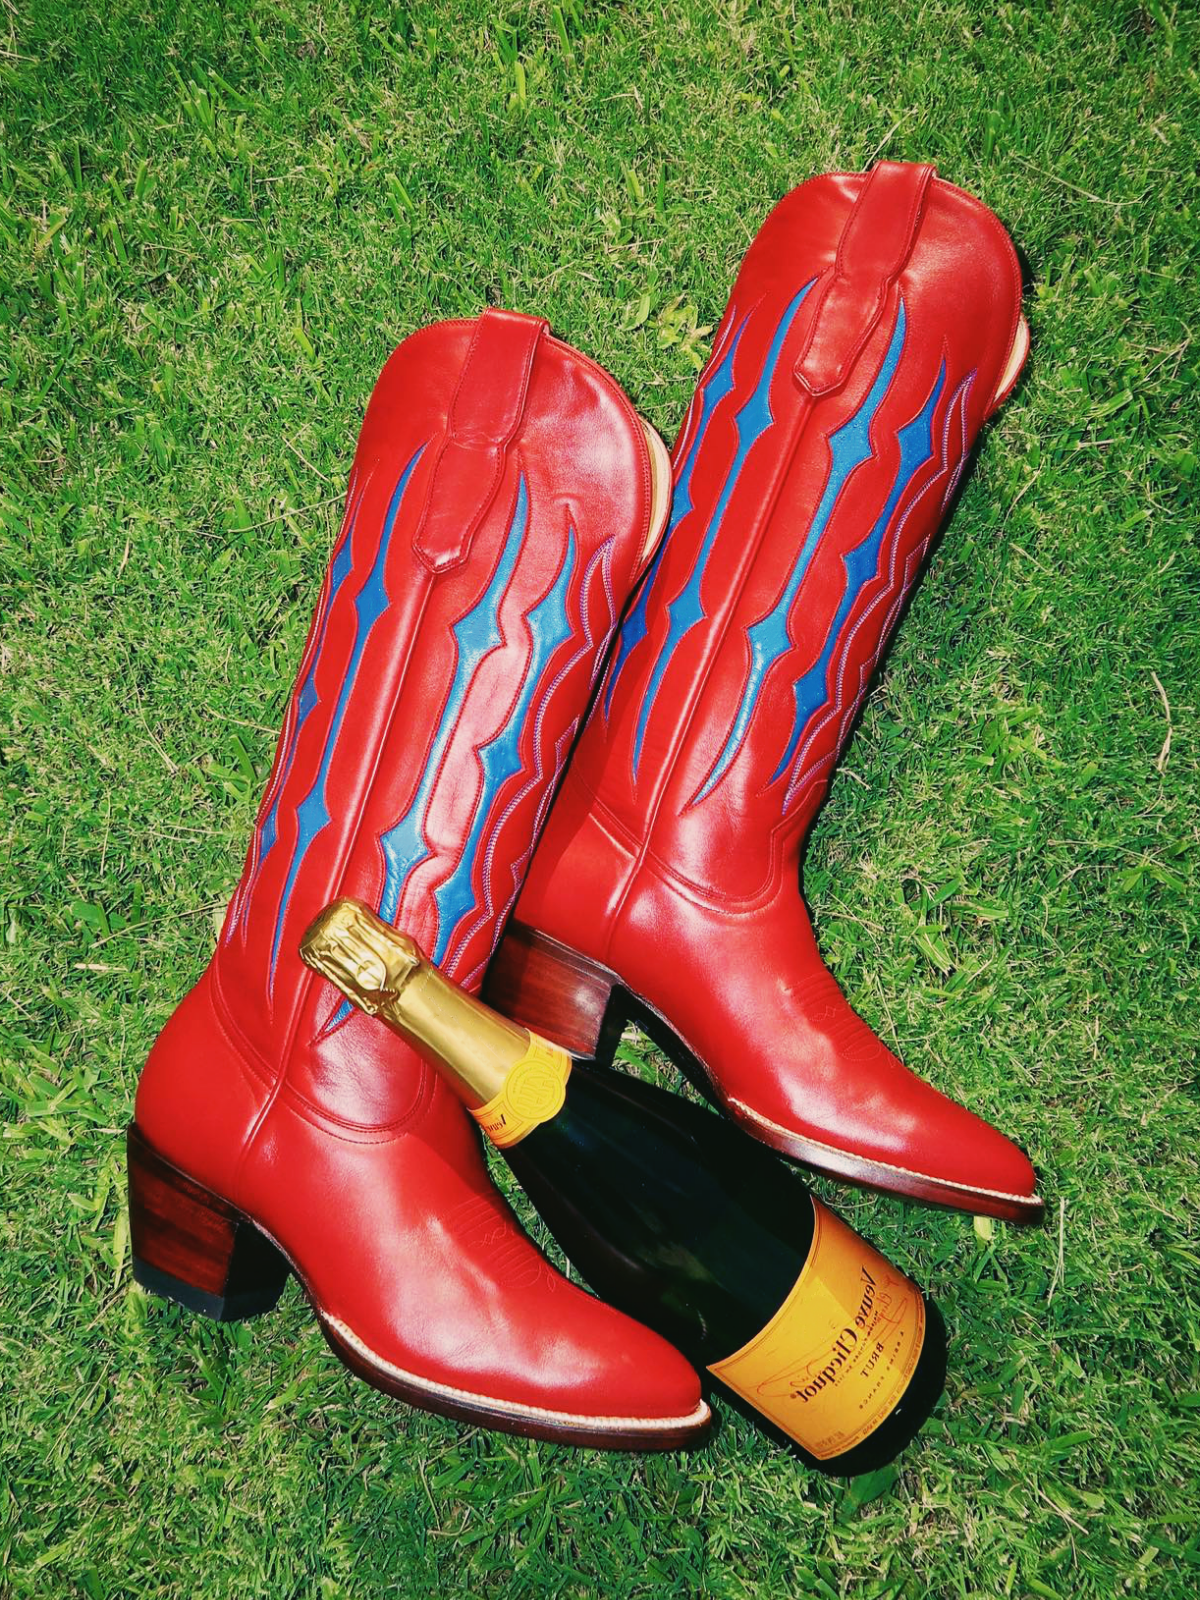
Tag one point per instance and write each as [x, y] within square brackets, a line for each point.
[862, 563]
[687, 609]
[712, 392]
[312, 814]
[549, 626]
[307, 698]
[849, 447]
[475, 635]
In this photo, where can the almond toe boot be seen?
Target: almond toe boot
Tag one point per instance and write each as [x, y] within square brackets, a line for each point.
[503, 501]
[874, 327]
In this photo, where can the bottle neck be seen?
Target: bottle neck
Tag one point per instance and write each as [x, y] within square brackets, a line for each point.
[473, 1049]
[384, 972]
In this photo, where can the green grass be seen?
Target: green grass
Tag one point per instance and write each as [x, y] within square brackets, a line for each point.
[215, 222]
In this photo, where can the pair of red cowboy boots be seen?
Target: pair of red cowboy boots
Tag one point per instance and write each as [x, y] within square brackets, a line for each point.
[504, 501]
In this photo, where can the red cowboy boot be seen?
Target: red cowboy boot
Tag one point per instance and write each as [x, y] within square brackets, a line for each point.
[501, 505]
[874, 326]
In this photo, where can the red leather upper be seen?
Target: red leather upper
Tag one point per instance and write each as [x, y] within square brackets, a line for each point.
[497, 515]
[866, 340]
[781, 493]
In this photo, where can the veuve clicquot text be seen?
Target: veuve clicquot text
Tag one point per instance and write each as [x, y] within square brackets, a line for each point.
[672, 1214]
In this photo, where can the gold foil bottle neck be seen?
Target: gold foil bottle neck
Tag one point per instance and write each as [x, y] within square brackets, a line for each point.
[383, 972]
[363, 957]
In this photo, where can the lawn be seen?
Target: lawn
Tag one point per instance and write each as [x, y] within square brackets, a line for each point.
[215, 223]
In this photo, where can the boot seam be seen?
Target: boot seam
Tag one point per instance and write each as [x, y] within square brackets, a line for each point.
[344, 1128]
[253, 1065]
[251, 1059]
[704, 894]
[308, 979]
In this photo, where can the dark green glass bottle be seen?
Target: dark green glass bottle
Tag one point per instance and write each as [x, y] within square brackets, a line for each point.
[675, 1216]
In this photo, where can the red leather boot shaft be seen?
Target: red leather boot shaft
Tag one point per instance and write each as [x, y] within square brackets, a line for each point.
[826, 437]
[440, 687]
[498, 513]
[874, 326]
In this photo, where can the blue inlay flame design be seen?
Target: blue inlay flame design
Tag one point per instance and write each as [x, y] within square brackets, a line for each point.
[476, 634]
[893, 592]
[862, 563]
[712, 392]
[500, 758]
[307, 698]
[687, 609]
[769, 639]
[312, 814]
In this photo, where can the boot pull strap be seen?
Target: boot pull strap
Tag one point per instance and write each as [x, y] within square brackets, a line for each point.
[485, 414]
[876, 242]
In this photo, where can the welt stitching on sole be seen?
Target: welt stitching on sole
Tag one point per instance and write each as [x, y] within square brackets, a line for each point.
[626, 994]
[513, 1408]
[888, 1166]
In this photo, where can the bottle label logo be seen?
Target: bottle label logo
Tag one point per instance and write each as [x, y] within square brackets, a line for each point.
[836, 1358]
[533, 1091]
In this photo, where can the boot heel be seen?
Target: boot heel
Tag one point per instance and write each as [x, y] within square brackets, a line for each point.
[550, 988]
[194, 1248]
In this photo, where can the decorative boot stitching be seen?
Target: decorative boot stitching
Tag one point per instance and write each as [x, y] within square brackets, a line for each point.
[312, 814]
[751, 421]
[601, 558]
[299, 709]
[476, 634]
[769, 638]
[843, 706]
[548, 627]
[713, 387]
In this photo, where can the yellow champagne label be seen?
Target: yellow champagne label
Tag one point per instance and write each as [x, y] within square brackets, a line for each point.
[836, 1358]
[533, 1091]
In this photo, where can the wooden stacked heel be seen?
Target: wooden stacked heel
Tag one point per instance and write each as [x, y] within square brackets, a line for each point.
[193, 1247]
[553, 990]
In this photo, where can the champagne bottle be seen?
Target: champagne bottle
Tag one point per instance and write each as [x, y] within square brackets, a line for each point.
[672, 1214]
